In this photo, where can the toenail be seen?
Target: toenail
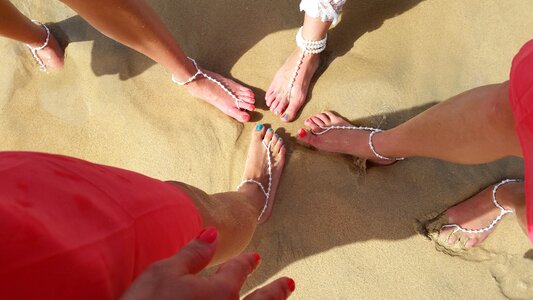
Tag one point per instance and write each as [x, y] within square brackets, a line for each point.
[302, 133]
[259, 126]
[270, 129]
[276, 112]
[275, 134]
[285, 117]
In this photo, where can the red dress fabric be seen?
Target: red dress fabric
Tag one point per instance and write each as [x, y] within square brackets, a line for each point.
[521, 98]
[71, 229]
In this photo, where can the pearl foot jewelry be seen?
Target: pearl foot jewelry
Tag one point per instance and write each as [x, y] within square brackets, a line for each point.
[503, 212]
[266, 192]
[308, 47]
[373, 131]
[202, 73]
[33, 51]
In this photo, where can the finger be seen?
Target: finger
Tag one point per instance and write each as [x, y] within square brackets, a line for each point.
[281, 289]
[197, 254]
[236, 270]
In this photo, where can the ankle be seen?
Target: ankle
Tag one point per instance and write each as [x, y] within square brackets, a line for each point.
[254, 194]
[185, 72]
[384, 143]
[511, 195]
[39, 37]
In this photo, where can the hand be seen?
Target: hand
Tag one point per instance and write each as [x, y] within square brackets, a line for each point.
[175, 277]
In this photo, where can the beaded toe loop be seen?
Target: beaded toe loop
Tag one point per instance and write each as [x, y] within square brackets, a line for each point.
[199, 73]
[266, 192]
[503, 212]
[33, 50]
[372, 130]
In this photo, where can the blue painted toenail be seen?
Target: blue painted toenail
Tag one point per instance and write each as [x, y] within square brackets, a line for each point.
[285, 117]
[259, 126]
[270, 129]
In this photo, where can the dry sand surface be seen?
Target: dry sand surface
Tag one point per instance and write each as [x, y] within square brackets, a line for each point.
[339, 232]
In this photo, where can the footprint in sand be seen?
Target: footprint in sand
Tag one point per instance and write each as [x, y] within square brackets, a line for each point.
[514, 275]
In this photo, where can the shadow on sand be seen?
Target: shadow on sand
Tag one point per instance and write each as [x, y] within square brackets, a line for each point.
[317, 210]
[217, 36]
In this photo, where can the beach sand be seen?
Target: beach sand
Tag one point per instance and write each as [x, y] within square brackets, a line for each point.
[340, 232]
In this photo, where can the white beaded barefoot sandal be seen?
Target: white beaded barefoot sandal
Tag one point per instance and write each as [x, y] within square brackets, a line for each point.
[202, 73]
[308, 47]
[266, 192]
[373, 131]
[33, 51]
[503, 212]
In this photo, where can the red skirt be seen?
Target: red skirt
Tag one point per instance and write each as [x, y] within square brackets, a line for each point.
[71, 229]
[521, 98]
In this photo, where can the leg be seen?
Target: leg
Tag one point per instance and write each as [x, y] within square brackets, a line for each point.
[235, 214]
[134, 24]
[16, 26]
[473, 127]
[315, 28]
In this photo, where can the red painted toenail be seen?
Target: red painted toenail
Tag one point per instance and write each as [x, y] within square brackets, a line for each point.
[291, 284]
[257, 257]
[302, 133]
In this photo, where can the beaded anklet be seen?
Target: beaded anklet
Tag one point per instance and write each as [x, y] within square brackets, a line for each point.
[33, 51]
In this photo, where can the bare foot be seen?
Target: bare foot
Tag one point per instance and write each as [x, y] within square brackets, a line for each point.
[277, 96]
[351, 142]
[52, 55]
[475, 213]
[212, 93]
[257, 167]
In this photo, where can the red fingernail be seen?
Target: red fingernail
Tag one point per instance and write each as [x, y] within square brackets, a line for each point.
[257, 257]
[208, 235]
[292, 285]
[302, 133]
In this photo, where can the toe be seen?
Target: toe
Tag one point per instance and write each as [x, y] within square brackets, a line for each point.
[259, 132]
[307, 137]
[274, 106]
[268, 136]
[246, 106]
[311, 123]
[304, 136]
[290, 113]
[331, 115]
[282, 106]
[246, 97]
[278, 145]
[471, 243]
[238, 114]
[318, 121]
[246, 90]
[269, 97]
[324, 118]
